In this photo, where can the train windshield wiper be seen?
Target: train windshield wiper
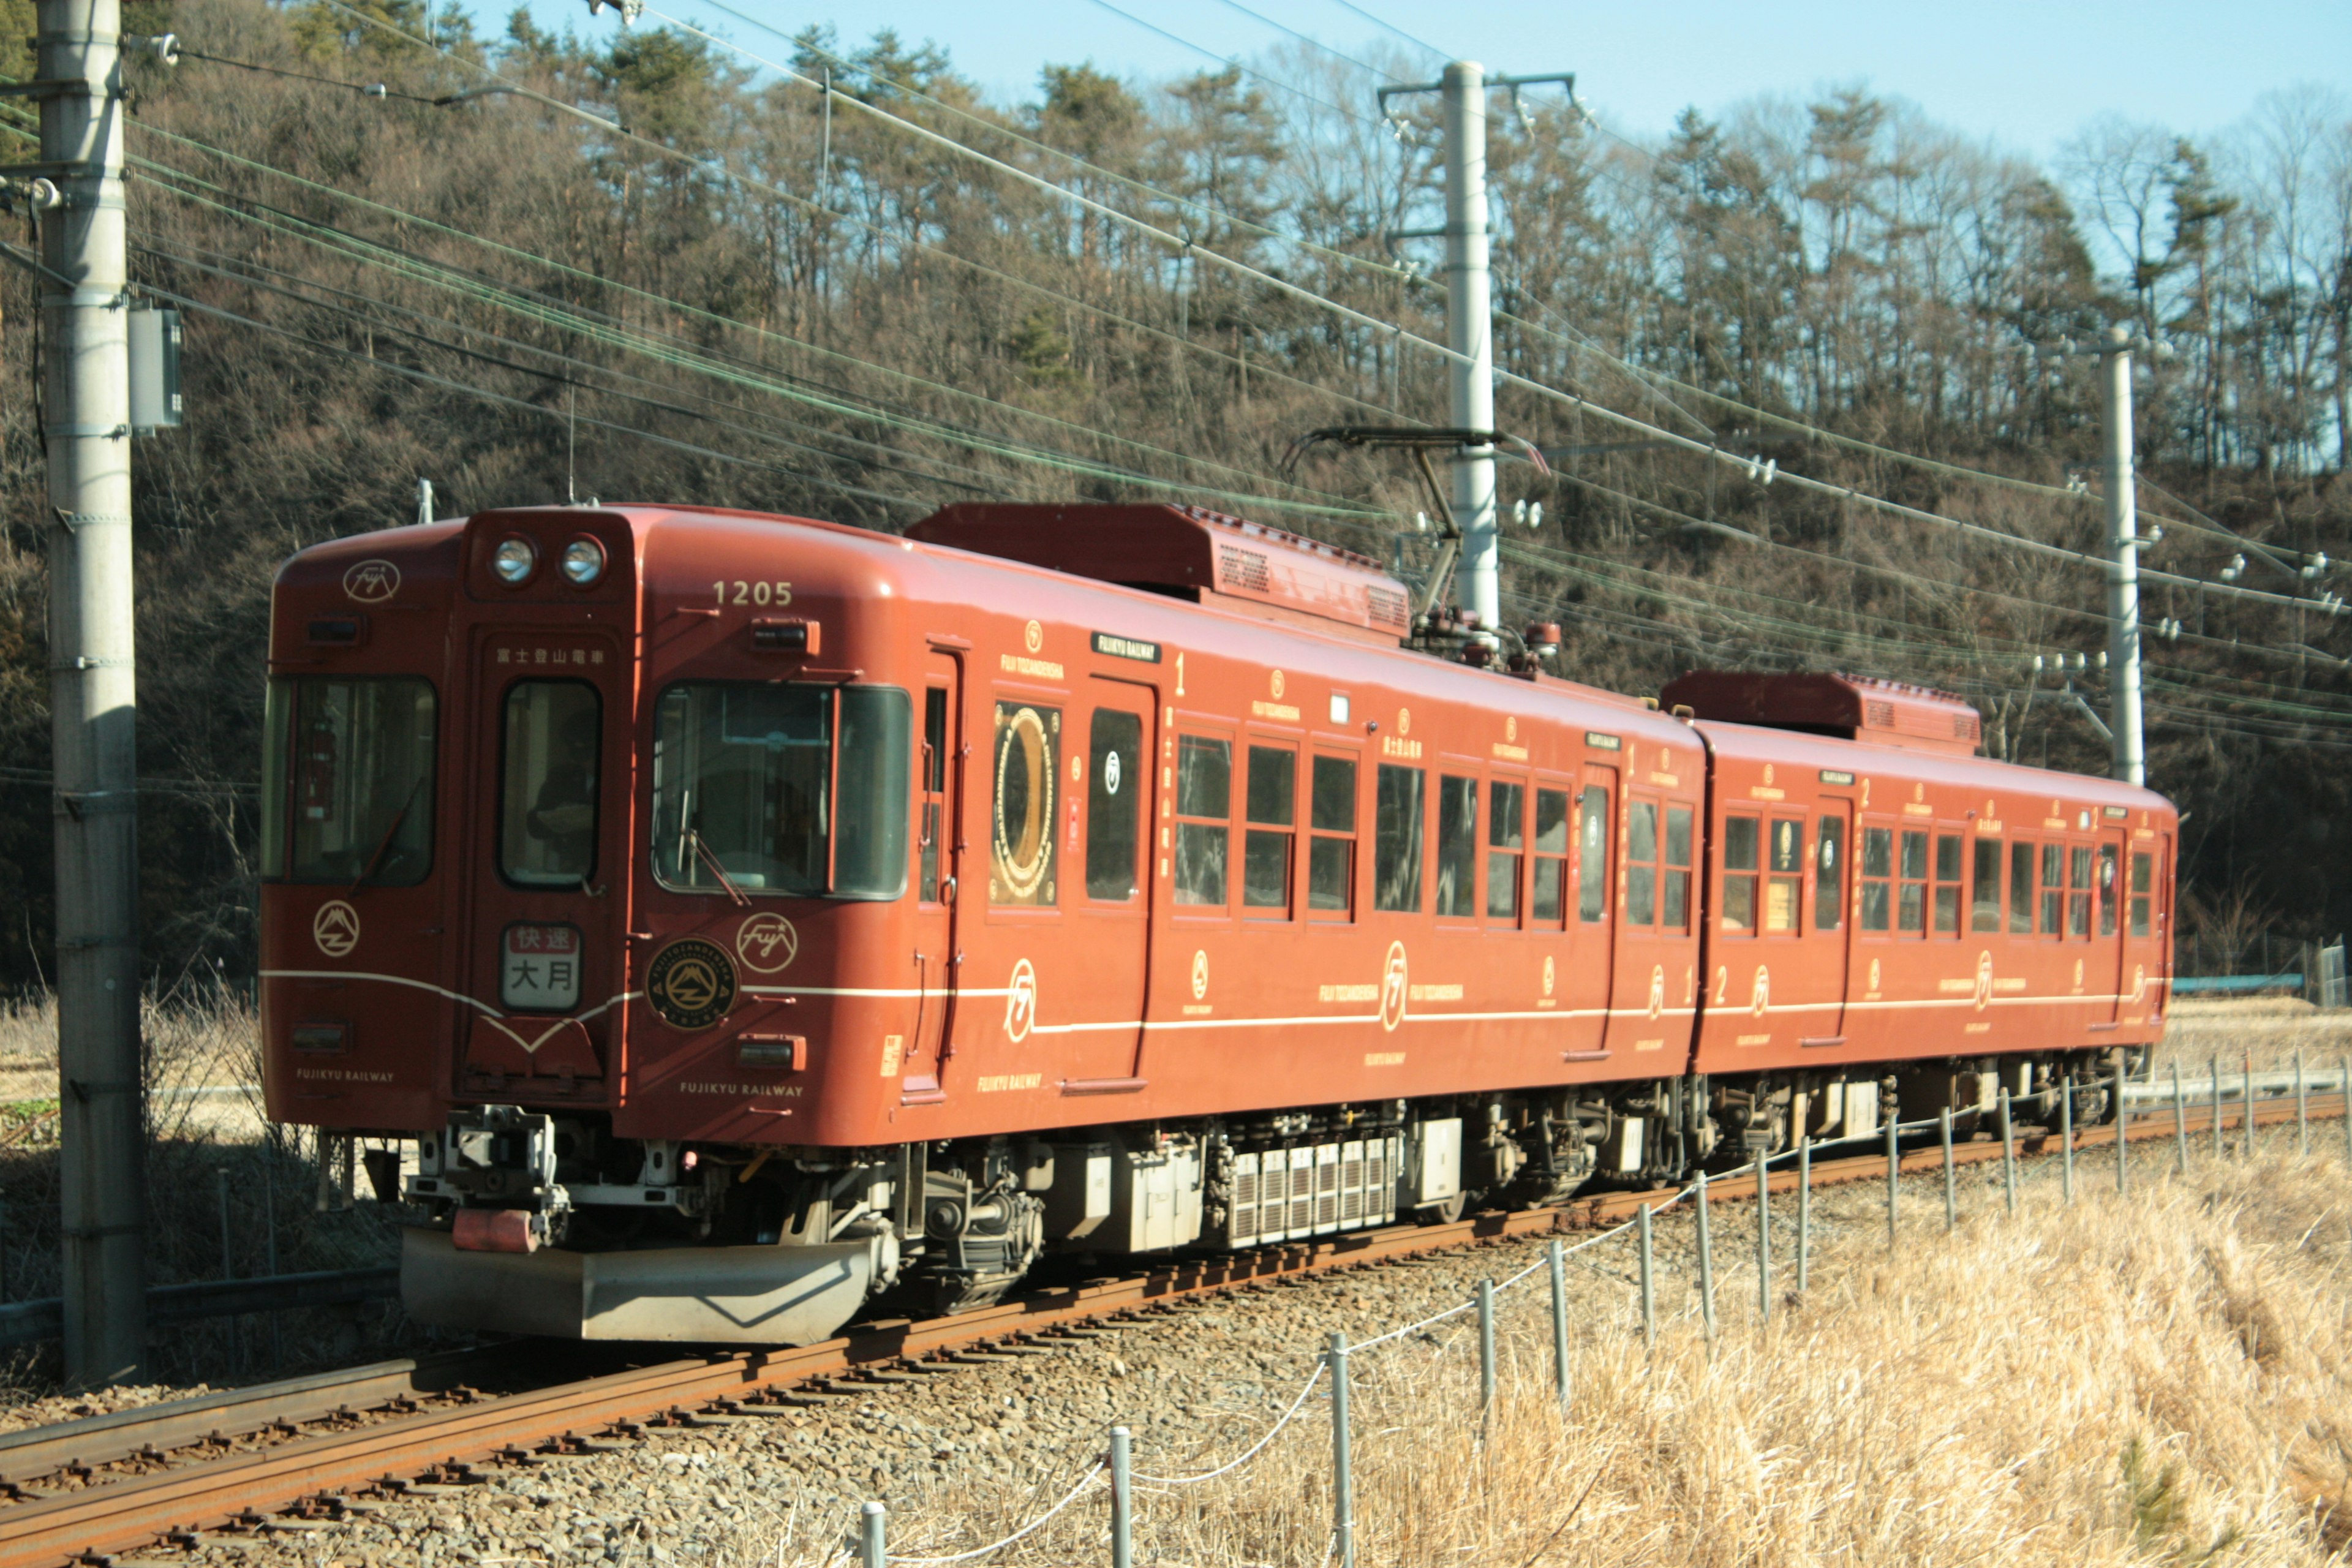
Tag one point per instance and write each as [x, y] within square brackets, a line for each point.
[702, 851]
[385, 842]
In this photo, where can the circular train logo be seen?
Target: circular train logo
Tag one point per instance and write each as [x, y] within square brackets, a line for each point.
[1110, 772]
[1200, 973]
[767, 944]
[1762, 1003]
[1392, 988]
[1032, 636]
[1984, 979]
[1404, 720]
[1274, 685]
[2139, 982]
[1021, 1001]
[335, 927]
[1657, 989]
[1550, 974]
[691, 984]
[371, 582]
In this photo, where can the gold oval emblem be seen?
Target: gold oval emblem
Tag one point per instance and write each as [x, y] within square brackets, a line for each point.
[691, 984]
[1032, 636]
[1274, 685]
[1404, 720]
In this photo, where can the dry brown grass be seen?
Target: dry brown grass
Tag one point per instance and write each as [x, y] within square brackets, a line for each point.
[2156, 1380]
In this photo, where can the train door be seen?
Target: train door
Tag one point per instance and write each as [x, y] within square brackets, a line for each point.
[2107, 967]
[1591, 918]
[1830, 932]
[939, 871]
[550, 837]
[1111, 837]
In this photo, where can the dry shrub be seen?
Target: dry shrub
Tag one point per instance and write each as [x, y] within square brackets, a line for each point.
[2159, 1379]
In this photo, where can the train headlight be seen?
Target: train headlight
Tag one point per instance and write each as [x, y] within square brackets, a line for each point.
[583, 563]
[514, 560]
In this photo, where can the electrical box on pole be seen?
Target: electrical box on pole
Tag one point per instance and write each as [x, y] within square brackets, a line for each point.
[154, 348]
[86, 428]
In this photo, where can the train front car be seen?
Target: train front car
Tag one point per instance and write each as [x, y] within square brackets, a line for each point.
[555, 798]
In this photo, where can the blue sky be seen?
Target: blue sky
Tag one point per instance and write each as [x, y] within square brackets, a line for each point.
[2026, 76]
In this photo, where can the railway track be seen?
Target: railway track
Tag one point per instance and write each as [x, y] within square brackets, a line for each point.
[169, 1473]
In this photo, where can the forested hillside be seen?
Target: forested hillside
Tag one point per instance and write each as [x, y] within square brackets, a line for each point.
[528, 267]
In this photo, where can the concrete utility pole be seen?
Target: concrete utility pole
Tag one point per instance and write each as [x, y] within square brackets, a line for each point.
[1469, 316]
[2122, 579]
[86, 403]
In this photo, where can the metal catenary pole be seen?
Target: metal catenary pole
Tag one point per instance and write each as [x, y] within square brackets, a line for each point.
[92, 685]
[1343, 1482]
[1470, 331]
[2123, 578]
[1122, 1500]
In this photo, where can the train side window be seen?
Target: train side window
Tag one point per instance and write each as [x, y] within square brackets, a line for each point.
[1739, 857]
[1783, 890]
[2021, 890]
[548, 827]
[1593, 873]
[1506, 842]
[935, 790]
[1829, 871]
[2107, 890]
[1021, 827]
[348, 779]
[1270, 809]
[1397, 812]
[1984, 893]
[2142, 878]
[1331, 859]
[1674, 877]
[1547, 904]
[2053, 883]
[1911, 906]
[1948, 884]
[1116, 770]
[1204, 791]
[1641, 863]
[2078, 886]
[1877, 873]
[1457, 846]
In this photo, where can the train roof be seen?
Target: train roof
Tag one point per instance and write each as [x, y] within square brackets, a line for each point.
[1760, 744]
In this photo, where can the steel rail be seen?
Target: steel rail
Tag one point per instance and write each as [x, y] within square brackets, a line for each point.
[324, 1470]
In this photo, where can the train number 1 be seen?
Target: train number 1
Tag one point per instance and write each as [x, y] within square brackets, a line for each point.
[743, 592]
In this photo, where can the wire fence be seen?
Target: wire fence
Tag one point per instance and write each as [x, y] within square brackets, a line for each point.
[2125, 1102]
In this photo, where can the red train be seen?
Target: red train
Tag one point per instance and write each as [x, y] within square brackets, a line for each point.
[747, 918]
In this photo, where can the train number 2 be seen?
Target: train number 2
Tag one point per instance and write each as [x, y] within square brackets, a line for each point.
[738, 592]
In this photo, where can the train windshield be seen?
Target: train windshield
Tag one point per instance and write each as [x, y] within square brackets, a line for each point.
[799, 790]
[347, 787]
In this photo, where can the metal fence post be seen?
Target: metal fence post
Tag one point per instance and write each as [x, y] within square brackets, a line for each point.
[2123, 1131]
[2215, 1063]
[1649, 1279]
[228, 1272]
[1951, 1191]
[1560, 1321]
[1706, 1261]
[1763, 1240]
[2344, 1088]
[1122, 1502]
[2067, 1133]
[2008, 1152]
[1894, 1174]
[1343, 1484]
[2179, 1121]
[2302, 1109]
[1485, 1347]
[871, 1551]
[2247, 1078]
[1804, 1213]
